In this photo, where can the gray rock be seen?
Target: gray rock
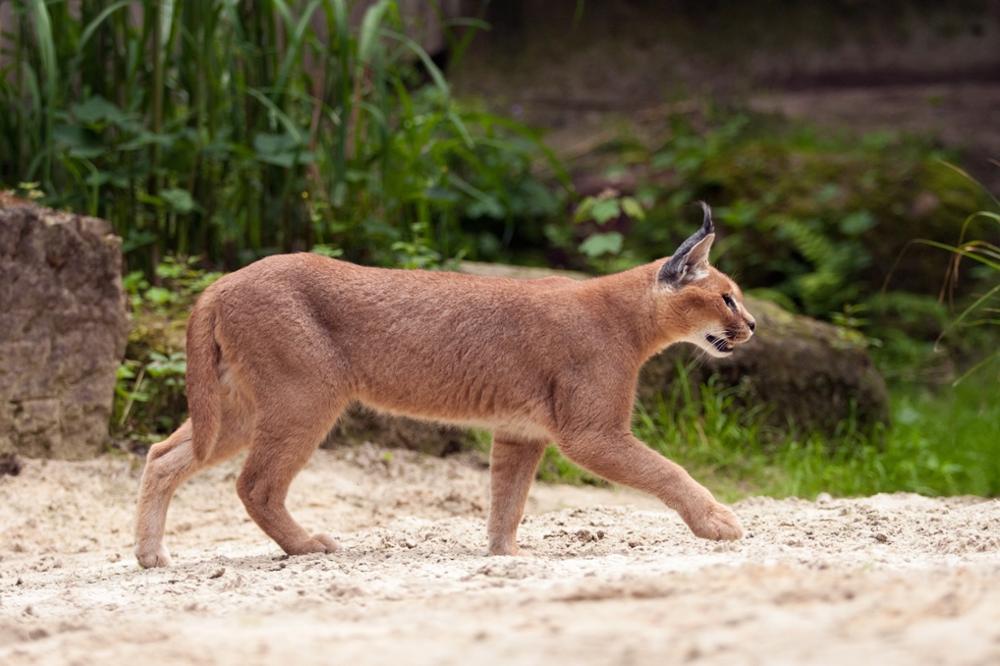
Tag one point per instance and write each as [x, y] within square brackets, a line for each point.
[359, 425]
[806, 374]
[63, 325]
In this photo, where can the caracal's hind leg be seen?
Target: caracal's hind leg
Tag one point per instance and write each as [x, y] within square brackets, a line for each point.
[169, 464]
[513, 465]
[284, 439]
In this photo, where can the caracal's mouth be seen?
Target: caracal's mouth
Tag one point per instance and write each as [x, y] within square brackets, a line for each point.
[722, 345]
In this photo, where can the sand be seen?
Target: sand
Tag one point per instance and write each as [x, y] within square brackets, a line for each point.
[606, 576]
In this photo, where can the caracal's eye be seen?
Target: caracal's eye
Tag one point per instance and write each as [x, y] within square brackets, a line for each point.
[730, 303]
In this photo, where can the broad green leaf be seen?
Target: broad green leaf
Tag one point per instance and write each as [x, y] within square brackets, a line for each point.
[77, 141]
[487, 207]
[96, 111]
[857, 223]
[284, 150]
[179, 200]
[273, 144]
[327, 250]
[582, 213]
[159, 296]
[606, 209]
[633, 208]
[600, 244]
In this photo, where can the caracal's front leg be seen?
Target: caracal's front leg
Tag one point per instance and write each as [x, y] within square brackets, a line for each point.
[512, 469]
[622, 458]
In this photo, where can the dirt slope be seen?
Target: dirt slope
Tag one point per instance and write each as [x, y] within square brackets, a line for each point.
[608, 576]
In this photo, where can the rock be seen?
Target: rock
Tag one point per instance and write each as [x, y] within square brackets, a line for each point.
[359, 425]
[63, 325]
[10, 464]
[807, 374]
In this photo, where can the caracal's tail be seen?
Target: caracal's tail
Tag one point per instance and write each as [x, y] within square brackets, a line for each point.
[202, 378]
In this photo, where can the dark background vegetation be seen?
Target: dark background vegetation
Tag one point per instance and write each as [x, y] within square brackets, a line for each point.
[846, 146]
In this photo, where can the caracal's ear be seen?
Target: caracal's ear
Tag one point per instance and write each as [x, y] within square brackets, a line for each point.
[690, 261]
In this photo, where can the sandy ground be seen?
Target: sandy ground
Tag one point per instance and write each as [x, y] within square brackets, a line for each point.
[607, 576]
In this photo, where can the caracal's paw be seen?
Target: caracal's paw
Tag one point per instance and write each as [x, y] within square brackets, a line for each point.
[319, 543]
[504, 550]
[150, 557]
[717, 522]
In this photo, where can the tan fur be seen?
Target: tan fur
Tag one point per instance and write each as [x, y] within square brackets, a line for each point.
[277, 350]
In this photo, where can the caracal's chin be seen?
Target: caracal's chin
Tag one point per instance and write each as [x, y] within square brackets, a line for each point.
[717, 346]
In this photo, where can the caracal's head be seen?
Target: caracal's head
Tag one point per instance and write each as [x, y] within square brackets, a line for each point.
[704, 304]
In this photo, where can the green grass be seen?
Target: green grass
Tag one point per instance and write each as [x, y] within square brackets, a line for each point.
[940, 443]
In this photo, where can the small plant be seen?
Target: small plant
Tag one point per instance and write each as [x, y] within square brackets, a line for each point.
[30, 191]
[602, 209]
[984, 310]
[418, 252]
[149, 392]
[180, 280]
[155, 387]
[598, 230]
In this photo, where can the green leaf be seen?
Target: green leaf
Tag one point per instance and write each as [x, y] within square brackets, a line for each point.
[274, 144]
[179, 200]
[633, 208]
[284, 150]
[582, 213]
[327, 250]
[369, 30]
[486, 207]
[78, 142]
[600, 244]
[607, 209]
[663, 160]
[857, 223]
[96, 111]
[293, 47]
[96, 23]
[436, 76]
[159, 296]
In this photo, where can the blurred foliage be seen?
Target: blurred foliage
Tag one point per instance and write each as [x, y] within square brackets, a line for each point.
[234, 130]
[815, 221]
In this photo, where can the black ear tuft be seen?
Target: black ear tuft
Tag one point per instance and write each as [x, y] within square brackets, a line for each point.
[707, 225]
[692, 255]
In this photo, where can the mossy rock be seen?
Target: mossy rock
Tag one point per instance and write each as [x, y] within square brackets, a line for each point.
[807, 375]
[360, 424]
